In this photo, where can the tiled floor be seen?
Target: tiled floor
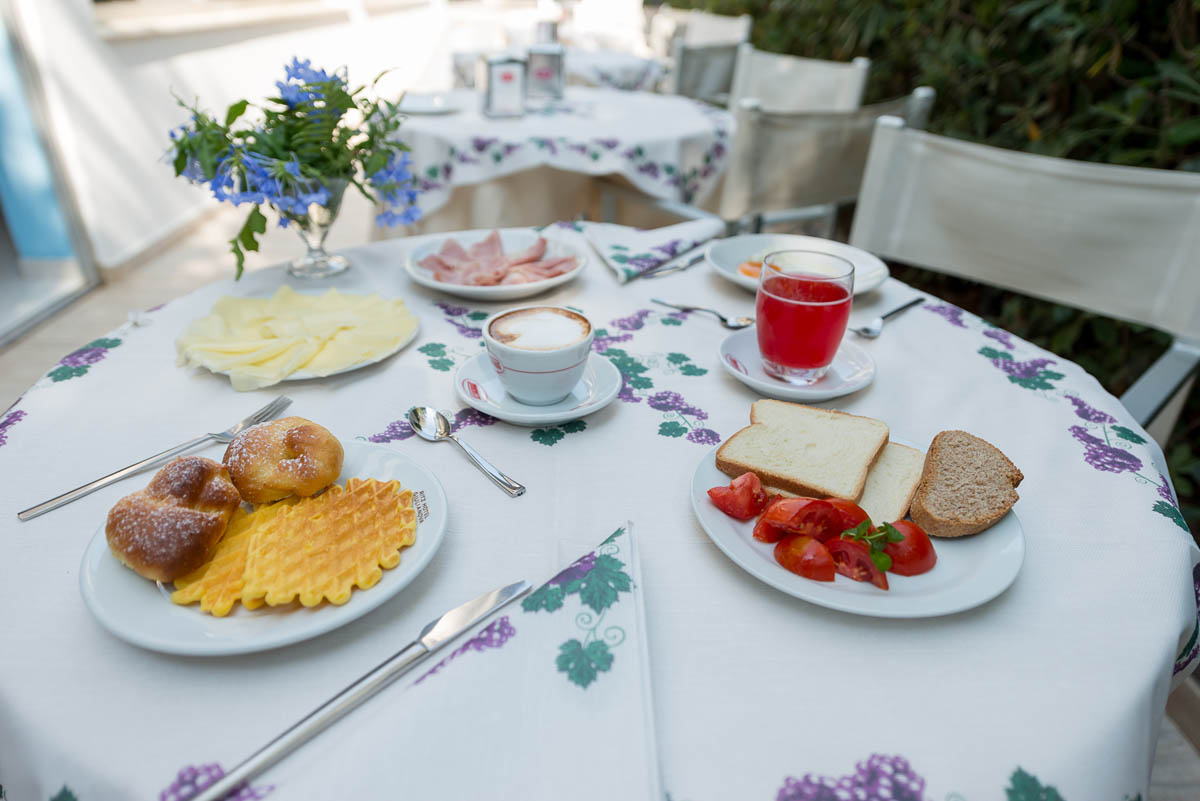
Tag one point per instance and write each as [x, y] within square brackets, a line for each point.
[200, 256]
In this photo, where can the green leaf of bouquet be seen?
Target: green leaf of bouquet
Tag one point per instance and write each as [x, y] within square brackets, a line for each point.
[181, 160]
[236, 110]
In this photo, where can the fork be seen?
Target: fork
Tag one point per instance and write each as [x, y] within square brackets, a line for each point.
[265, 413]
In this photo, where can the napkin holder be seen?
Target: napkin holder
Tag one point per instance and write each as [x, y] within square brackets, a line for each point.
[504, 79]
[547, 76]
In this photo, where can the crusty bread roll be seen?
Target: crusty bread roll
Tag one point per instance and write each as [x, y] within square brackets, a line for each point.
[290, 456]
[171, 527]
[967, 485]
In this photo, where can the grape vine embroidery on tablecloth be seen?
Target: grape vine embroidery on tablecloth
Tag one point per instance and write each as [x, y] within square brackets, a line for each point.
[399, 430]
[194, 778]
[11, 419]
[494, 635]
[598, 578]
[78, 362]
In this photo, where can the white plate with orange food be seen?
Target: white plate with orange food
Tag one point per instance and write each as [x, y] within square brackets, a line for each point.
[141, 611]
[969, 571]
[738, 258]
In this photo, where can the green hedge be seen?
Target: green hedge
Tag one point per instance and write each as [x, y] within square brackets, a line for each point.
[1115, 81]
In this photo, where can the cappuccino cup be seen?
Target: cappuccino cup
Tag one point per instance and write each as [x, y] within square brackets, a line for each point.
[538, 352]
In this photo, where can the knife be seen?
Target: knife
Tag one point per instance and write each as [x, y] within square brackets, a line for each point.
[678, 262]
[436, 634]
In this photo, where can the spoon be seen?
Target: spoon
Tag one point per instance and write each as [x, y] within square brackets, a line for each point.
[736, 324]
[432, 425]
[875, 327]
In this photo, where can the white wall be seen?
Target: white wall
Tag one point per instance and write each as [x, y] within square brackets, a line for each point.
[110, 103]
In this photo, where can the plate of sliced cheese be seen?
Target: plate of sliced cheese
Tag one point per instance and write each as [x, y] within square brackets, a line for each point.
[961, 493]
[293, 336]
[277, 547]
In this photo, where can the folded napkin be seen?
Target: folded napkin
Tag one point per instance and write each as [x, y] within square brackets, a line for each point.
[631, 253]
[548, 699]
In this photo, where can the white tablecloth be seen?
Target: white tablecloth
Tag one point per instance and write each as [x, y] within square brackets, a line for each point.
[1061, 681]
[667, 146]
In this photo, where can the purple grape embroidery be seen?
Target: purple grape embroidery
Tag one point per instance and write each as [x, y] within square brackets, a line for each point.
[494, 635]
[78, 362]
[673, 402]
[194, 778]
[634, 322]
[1086, 412]
[10, 419]
[399, 430]
[952, 314]
[877, 778]
[1103, 456]
[1001, 336]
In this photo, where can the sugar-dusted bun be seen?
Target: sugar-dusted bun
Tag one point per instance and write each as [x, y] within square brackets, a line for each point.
[291, 456]
[171, 527]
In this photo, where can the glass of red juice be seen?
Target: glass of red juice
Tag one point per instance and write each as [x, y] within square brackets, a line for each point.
[803, 305]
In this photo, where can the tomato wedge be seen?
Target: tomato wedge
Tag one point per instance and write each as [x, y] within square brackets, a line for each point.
[853, 560]
[805, 557]
[743, 498]
[852, 514]
[913, 555]
[808, 517]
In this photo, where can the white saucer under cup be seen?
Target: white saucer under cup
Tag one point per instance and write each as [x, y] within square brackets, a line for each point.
[478, 386]
[851, 370]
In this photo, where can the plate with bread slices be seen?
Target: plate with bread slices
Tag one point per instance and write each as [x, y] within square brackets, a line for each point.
[291, 535]
[828, 507]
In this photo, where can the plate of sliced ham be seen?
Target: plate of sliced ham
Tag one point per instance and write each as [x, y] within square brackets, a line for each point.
[495, 265]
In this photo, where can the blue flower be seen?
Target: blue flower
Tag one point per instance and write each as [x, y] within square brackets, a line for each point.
[396, 190]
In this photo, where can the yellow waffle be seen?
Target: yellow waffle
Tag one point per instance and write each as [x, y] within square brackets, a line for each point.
[323, 547]
[217, 584]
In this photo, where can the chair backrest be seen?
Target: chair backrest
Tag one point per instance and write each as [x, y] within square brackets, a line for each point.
[787, 161]
[704, 72]
[463, 65]
[790, 83]
[703, 28]
[1120, 241]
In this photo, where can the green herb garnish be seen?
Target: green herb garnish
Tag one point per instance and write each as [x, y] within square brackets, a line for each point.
[875, 539]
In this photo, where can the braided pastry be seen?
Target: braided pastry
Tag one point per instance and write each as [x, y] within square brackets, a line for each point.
[291, 456]
[172, 526]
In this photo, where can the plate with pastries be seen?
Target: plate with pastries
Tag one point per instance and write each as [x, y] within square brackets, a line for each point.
[292, 534]
[828, 507]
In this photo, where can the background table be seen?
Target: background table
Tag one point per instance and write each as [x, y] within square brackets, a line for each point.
[475, 171]
[613, 69]
[1060, 681]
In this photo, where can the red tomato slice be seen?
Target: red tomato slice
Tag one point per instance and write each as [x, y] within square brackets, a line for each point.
[852, 514]
[913, 555]
[743, 498]
[805, 557]
[808, 517]
[853, 560]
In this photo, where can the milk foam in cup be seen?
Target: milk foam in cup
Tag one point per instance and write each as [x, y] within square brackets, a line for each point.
[539, 352]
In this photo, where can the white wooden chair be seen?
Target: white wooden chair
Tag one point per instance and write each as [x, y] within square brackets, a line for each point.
[1119, 241]
[703, 28]
[789, 83]
[703, 72]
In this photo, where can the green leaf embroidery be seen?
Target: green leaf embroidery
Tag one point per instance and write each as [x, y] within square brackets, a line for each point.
[1128, 435]
[441, 364]
[582, 664]
[108, 343]
[613, 536]
[992, 353]
[433, 349]
[603, 583]
[640, 382]
[574, 426]
[691, 369]
[671, 429]
[1170, 512]
[678, 358]
[619, 247]
[1040, 381]
[64, 372]
[546, 436]
[478, 315]
[1025, 787]
[671, 321]
[546, 597]
[63, 795]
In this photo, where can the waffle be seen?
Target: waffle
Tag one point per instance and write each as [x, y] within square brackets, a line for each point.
[217, 584]
[321, 548]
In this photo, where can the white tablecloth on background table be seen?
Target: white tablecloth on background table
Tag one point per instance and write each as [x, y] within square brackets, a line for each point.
[1061, 681]
[667, 146]
[613, 69]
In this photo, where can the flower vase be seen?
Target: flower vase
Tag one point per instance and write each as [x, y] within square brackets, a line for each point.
[313, 227]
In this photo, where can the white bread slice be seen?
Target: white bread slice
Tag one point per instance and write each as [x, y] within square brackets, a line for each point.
[805, 450]
[967, 486]
[891, 483]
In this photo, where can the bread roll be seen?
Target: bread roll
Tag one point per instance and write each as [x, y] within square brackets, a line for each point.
[967, 485]
[291, 456]
[172, 526]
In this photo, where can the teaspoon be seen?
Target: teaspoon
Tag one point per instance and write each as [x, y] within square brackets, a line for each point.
[874, 328]
[736, 324]
[432, 425]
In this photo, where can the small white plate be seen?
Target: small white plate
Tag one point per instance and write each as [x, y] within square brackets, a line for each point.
[479, 387]
[852, 369]
[970, 570]
[140, 611]
[432, 104]
[725, 255]
[514, 240]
